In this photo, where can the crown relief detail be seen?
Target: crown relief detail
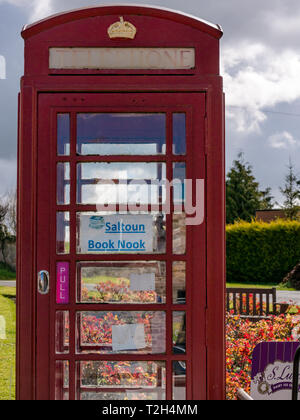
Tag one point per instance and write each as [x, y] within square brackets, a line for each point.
[122, 29]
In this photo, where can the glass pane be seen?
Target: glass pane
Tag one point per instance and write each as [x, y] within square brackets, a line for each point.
[129, 183]
[63, 183]
[179, 134]
[139, 332]
[121, 282]
[179, 270]
[128, 380]
[63, 134]
[106, 232]
[179, 233]
[62, 332]
[179, 330]
[121, 134]
[62, 380]
[62, 232]
[179, 380]
[179, 174]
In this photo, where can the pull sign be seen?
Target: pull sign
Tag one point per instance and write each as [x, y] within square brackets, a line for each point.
[43, 282]
[62, 283]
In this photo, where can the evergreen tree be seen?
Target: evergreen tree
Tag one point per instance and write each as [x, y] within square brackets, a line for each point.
[291, 193]
[243, 196]
[266, 200]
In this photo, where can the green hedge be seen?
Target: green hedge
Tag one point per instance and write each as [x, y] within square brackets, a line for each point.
[262, 252]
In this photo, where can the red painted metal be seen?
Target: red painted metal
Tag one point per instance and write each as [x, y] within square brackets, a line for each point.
[197, 92]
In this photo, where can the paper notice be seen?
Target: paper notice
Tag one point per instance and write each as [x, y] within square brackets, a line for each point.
[140, 282]
[128, 337]
[2, 328]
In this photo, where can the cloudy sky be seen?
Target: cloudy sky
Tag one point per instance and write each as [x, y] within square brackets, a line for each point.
[260, 53]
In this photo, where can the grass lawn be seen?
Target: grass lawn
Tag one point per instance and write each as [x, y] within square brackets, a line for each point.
[6, 273]
[260, 286]
[7, 343]
[99, 279]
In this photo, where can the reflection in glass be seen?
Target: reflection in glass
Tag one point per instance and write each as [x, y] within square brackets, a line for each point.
[179, 173]
[107, 232]
[62, 380]
[63, 134]
[129, 183]
[139, 332]
[122, 380]
[121, 282]
[179, 273]
[63, 183]
[62, 332]
[179, 332]
[179, 380]
[179, 134]
[121, 134]
[179, 233]
[62, 232]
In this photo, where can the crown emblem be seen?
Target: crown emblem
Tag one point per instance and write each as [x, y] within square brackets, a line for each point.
[122, 29]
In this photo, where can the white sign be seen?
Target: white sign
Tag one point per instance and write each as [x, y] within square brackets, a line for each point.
[116, 233]
[277, 383]
[142, 282]
[128, 337]
[272, 370]
[122, 58]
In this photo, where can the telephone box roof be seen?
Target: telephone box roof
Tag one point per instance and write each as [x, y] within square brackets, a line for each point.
[83, 13]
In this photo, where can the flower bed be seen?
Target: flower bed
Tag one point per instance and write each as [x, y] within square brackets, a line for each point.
[241, 338]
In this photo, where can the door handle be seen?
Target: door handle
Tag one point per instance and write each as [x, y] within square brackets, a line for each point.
[43, 282]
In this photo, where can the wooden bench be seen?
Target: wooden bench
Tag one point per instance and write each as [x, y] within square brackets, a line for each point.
[252, 303]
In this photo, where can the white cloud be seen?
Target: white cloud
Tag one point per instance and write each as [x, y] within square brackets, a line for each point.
[37, 9]
[256, 78]
[283, 22]
[2, 67]
[8, 169]
[283, 140]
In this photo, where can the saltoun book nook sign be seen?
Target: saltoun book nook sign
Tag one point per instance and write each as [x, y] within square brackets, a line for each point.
[117, 233]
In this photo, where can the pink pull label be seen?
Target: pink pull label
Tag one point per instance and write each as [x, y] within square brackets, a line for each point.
[62, 283]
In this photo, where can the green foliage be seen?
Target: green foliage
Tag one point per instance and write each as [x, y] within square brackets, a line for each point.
[243, 196]
[7, 346]
[293, 278]
[262, 252]
[291, 194]
[6, 273]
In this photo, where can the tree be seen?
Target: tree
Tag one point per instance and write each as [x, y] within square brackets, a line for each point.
[266, 200]
[4, 234]
[291, 193]
[11, 218]
[243, 196]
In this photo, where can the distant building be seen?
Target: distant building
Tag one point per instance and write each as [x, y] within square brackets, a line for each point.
[269, 215]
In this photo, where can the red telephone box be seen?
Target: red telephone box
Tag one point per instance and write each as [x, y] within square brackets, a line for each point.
[120, 268]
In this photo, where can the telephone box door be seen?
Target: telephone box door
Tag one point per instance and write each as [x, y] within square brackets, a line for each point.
[120, 256]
